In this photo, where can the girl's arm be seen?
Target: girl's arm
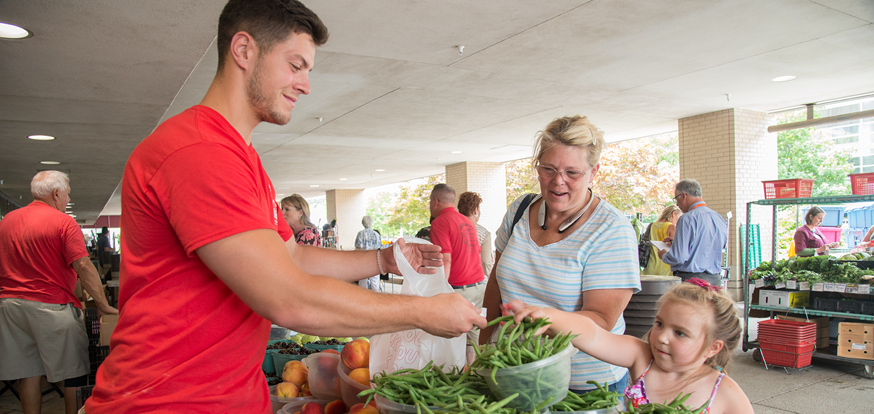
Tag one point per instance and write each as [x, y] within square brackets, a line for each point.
[621, 350]
[732, 399]
[669, 233]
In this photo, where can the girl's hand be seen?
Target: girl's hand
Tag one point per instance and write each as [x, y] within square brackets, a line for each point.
[520, 311]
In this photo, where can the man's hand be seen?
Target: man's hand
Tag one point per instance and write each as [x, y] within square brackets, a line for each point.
[449, 315]
[668, 240]
[105, 309]
[424, 258]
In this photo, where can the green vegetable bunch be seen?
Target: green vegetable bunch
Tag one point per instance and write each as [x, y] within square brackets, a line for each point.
[520, 345]
[428, 386]
[674, 407]
[592, 400]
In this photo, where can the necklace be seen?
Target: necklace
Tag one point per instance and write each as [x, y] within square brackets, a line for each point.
[541, 215]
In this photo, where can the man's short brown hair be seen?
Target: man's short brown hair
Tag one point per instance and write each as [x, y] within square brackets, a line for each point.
[269, 22]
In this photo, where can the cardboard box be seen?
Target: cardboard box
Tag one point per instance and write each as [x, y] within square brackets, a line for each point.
[856, 340]
[107, 325]
[784, 298]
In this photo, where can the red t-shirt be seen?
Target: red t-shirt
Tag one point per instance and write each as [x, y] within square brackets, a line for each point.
[185, 342]
[456, 235]
[37, 246]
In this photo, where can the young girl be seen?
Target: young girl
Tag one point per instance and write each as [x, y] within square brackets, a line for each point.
[691, 341]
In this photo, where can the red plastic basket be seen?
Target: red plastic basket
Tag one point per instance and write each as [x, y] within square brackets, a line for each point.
[786, 359]
[862, 184]
[791, 188]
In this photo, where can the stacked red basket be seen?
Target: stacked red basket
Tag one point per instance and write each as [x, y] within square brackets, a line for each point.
[787, 343]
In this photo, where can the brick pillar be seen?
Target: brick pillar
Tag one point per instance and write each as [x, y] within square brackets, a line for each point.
[489, 180]
[730, 152]
[348, 207]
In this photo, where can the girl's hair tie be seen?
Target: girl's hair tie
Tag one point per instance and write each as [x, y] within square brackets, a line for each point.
[703, 283]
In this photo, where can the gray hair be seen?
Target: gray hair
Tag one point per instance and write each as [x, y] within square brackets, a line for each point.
[44, 183]
[367, 222]
[443, 193]
[689, 186]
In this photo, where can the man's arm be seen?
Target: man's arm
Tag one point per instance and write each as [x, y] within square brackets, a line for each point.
[257, 267]
[91, 283]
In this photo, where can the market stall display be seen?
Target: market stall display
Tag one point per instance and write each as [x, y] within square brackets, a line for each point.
[819, 286]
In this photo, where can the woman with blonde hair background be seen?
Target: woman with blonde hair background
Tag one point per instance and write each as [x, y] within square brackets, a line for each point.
[660, 229]
[296, 211]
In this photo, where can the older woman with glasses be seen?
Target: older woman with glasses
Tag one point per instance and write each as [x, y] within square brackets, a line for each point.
[565, 248]
[296, 211]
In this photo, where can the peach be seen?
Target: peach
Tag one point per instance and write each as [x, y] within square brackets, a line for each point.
[295, 372]
[287, 389]
[356, 354]
[361, 376]
[331, 351]
[360, 408]
[312, 407]
[335, 407]
[305, 390]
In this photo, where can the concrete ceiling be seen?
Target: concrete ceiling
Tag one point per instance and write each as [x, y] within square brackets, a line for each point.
[391, 91]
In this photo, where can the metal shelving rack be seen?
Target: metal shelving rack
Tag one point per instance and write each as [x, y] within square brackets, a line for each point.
[747, 344]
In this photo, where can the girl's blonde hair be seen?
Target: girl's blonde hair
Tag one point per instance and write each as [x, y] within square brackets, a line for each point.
[725, 324]
[666, 213]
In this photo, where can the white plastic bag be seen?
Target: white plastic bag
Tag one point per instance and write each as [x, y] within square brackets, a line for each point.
[414, 348]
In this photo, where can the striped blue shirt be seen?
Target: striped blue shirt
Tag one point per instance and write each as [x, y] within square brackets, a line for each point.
[600, 254]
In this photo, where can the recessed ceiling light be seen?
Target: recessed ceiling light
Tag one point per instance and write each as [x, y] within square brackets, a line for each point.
[783, 78]
[11, 31]
[314, 185]
[49, 162]
[41, 137]
[379, 170]
[343, 179]
[456, 152]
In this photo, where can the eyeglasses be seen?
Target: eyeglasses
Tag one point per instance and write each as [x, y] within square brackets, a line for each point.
[569, 175]
[678, 195]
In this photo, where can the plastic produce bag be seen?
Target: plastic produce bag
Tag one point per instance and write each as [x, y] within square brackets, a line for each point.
[414, 348]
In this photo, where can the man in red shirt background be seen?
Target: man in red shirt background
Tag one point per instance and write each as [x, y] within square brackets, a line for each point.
[457, 237]
[42, 329]
[207, 260]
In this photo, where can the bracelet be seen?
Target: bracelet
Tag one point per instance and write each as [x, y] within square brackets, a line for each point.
[379, 261]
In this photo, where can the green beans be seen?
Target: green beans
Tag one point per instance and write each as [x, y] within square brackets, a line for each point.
[520, 346]
[429, 385]
[595, 399]
[674, 407]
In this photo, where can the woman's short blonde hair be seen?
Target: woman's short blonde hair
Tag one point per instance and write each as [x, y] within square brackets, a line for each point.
[298, 202]
[573, 131]
[666, 213]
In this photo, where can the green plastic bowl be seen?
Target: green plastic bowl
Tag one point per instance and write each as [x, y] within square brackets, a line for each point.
[279, 360]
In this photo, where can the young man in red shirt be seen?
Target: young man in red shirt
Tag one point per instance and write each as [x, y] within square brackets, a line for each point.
[208, 260]
[42, 329]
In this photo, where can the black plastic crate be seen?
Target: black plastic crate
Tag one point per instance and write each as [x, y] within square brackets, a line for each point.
[867, 308]
[82, 394]
[825, 304]
[96, 354]
[92, 326]
[850, 306]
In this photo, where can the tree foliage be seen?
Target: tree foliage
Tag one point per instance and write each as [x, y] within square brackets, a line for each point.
[638, 176]
[521, 179]
[409, 210]
[810, 153]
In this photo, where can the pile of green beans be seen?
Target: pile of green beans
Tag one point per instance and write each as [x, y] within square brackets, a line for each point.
[519, 346]
[471, 405]
[427, 386]
[592, 400]
[674, 407]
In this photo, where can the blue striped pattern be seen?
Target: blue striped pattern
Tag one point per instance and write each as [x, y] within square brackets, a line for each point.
[600, 254]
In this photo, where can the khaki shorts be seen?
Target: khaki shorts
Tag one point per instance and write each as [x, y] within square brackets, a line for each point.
[475, 295]
[39, 339]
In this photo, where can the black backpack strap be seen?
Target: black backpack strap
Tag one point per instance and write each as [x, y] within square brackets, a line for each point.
[521, 210]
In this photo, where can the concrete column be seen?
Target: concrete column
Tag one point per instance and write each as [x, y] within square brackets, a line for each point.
[489, 180]
[730, 152]
[348, 207]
